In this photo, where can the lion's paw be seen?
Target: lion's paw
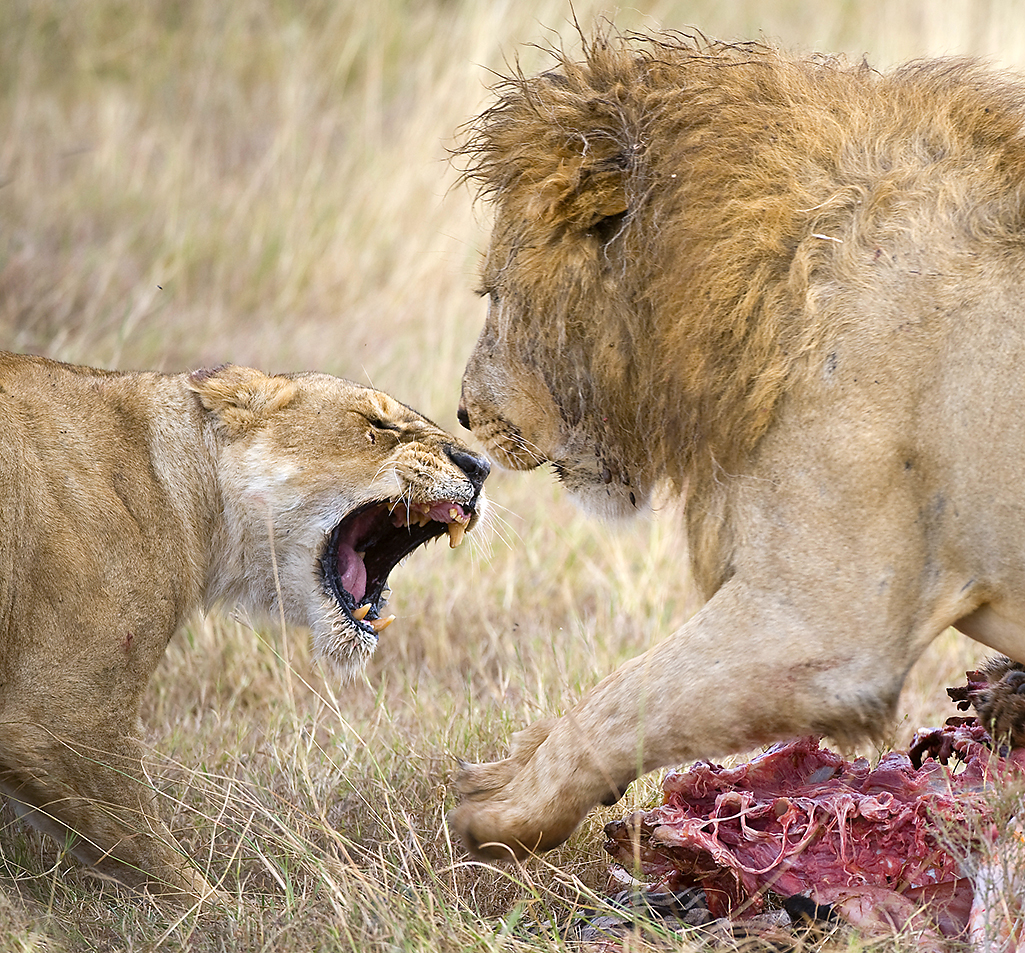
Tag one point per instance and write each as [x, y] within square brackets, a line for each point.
[511, 808]
[484, 832]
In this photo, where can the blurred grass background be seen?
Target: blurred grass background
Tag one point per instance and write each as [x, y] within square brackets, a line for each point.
[185, 182]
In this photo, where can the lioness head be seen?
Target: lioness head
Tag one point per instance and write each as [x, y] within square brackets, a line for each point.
[326, 486]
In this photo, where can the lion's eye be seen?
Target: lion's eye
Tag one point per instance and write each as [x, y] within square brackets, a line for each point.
[492, 295]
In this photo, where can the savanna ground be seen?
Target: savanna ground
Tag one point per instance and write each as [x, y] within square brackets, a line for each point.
[184, 183]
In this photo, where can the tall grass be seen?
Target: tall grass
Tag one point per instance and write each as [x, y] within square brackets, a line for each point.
[184, 183]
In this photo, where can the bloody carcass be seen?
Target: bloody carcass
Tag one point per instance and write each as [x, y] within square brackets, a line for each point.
[909, 843]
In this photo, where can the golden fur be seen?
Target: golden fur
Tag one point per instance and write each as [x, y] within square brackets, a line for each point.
[789, 290]
[129, 501]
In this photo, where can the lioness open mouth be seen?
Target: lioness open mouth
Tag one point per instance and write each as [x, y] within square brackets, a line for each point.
[371, 541]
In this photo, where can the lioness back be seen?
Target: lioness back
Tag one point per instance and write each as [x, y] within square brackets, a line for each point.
[88, 482]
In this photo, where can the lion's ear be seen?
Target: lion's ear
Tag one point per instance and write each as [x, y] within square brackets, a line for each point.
[608, 204]
[582, 192]
[601, 193]
[240, 396]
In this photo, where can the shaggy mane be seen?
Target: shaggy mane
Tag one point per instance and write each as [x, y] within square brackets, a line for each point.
[750, 190]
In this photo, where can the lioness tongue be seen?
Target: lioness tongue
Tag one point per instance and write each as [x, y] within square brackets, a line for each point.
[352, 572]
[445, 511]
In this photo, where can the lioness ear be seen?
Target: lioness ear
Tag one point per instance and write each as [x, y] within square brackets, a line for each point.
[240, 396]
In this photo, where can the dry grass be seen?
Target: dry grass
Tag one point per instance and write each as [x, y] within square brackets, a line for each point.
[185, 183]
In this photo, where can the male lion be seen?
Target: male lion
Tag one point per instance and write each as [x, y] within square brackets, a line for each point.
[791, 291]
[129, 500]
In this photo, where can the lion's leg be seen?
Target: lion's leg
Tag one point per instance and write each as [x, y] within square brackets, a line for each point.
[744, 671]
[86, 787]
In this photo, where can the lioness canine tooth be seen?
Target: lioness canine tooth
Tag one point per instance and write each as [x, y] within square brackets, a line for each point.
[455, 534]
[379, 625]
[361, 613]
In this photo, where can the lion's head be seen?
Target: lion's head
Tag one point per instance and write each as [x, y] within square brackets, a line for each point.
[608, 351]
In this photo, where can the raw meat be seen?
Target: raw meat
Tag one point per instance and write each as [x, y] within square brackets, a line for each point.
[899, 845]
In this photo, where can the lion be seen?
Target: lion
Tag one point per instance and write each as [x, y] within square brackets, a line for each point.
[785, 292]
[129, 500]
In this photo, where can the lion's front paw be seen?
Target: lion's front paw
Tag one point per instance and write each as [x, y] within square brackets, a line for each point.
[498, 828]
[489, 823]
[485, 831]
[515, 807]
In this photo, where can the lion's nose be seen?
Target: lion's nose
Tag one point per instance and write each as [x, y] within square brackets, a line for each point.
[462, 416]
[476, 468]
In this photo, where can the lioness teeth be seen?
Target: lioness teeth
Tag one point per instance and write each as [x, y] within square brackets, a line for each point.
[455, 533]
[361, 613]
[379, 625]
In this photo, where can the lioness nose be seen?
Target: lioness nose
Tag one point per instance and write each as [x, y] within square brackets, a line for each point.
[462, 416]
[476, 468]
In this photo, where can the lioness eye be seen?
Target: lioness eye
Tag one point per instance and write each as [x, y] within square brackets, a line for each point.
[379, 424]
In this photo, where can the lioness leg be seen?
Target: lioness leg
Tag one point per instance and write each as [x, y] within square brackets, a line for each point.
[91, 794]
[693, 695]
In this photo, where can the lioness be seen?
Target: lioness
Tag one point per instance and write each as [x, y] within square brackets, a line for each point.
[128, 501]
[791, 292]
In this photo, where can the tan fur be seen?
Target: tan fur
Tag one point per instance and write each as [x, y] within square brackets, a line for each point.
[130, 500]
[789, 291]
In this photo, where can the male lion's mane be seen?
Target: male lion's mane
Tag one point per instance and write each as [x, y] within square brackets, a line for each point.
[743, 183]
